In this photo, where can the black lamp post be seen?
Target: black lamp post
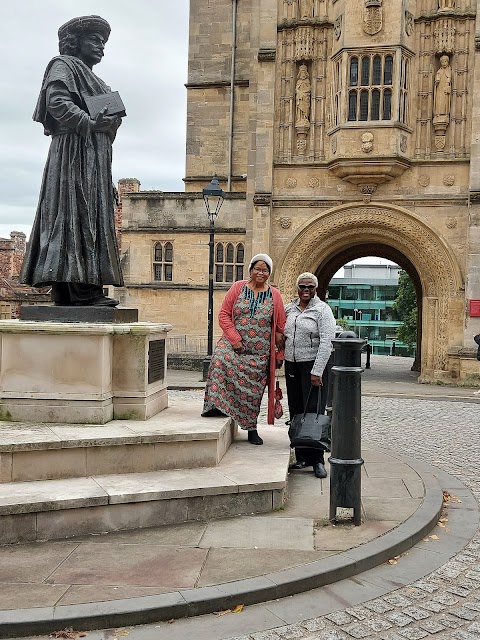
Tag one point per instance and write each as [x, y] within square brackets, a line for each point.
[213, 197]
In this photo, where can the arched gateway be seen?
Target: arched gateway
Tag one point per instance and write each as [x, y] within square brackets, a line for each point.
[380, 224]
[333, 140]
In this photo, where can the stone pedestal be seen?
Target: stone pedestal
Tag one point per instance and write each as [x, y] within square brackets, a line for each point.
[91, 313]
[81, 373]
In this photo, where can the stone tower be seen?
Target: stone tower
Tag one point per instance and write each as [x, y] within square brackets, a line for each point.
[339, 129]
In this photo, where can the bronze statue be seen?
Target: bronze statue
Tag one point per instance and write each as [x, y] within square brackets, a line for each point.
[73, 244]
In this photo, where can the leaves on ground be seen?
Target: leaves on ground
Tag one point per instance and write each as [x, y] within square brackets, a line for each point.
[68, 633]
[237, 609]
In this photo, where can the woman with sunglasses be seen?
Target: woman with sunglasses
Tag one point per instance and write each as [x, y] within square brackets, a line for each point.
[309, 331]
[252, 318]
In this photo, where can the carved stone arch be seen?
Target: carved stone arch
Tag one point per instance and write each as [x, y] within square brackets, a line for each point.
[331, 232]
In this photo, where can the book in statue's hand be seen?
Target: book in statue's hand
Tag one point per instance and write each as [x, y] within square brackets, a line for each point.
[111, 100]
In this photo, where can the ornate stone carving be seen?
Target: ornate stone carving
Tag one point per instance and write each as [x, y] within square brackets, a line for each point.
[446, 5]
[266, 55]
[367, 142]
[262, 199]
[306, 9]
[408, 23]
[477, 41]
[291, 183]
[444, 36]
[367, 191]
[301, 142]
[423, 181]
[302, 97]
[436, 264]
[304, 43]
[449, 180]
[451, 223]
[313, 182]
[403, 143]
[372, 16]
[337, 26]
[285, 222]
[441, 103]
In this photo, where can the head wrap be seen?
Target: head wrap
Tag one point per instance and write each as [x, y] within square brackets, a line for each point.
[85, 23]
[261, 256]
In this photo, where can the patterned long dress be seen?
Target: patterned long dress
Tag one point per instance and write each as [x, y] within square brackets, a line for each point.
[236, 381]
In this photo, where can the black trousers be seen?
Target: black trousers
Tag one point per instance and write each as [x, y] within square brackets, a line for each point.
[298, 382]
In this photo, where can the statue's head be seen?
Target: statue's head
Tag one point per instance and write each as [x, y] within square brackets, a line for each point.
[84, 38]
[444, 61]
[303, 71]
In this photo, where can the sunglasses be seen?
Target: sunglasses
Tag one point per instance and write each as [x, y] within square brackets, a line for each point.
[304, 287]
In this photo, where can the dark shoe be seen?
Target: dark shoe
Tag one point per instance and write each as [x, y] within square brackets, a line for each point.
[213, 413]
[253, 437]
[297, 465]
[319, 470]
[101, 301]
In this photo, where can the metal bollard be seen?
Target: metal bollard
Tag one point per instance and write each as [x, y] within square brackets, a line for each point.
[328, 370]
[345, 460]
[369, 351]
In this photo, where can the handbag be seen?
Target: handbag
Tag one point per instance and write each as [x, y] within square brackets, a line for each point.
[312, 430]
[278, 410]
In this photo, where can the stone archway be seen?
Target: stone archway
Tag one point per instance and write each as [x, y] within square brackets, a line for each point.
[331, 233]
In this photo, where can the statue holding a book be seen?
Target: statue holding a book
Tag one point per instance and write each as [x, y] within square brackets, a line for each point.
[73, 243]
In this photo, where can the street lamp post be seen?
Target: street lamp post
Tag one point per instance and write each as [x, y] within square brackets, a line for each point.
[213, 197]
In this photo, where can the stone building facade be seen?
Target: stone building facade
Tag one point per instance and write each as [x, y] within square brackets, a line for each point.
[339, 129]
[12, 293]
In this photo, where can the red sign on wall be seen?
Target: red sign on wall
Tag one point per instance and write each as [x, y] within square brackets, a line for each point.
[474, 308]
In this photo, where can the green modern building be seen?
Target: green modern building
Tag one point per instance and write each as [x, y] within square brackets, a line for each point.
[364, 297]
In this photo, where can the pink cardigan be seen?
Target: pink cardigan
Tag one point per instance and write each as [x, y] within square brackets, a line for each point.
[225, 319]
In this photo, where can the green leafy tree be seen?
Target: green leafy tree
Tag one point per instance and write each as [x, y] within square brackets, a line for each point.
[405, 305]
[343, 322]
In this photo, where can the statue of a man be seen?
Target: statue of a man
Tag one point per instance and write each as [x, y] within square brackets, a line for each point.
[443, 88]
[302, 96]
[73, 245]
[306, 9]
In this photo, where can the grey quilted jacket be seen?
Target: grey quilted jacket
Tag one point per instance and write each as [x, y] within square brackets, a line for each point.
[309, 333]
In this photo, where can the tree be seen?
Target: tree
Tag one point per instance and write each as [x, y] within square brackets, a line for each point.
[405, 305]
[343, 322]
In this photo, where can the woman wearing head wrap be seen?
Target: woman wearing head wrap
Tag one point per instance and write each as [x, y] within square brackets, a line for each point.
[309, 331]
[73, 245]
[252, 318]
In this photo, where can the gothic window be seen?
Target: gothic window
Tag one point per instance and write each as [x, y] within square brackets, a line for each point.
[229, 261]
[402, 103]
[337, 93]
[163, 261]
[370, 96]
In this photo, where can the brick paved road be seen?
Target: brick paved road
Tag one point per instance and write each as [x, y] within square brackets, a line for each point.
[445, 604]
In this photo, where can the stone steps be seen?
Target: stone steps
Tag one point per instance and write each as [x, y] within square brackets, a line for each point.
[246, 480]
[175, 438]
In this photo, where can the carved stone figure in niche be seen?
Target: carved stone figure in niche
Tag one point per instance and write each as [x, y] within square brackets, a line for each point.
[443, 88]
[306, 9]
[446, 4]
[302, 96]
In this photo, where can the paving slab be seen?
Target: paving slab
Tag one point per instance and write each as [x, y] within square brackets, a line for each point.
[139, 564]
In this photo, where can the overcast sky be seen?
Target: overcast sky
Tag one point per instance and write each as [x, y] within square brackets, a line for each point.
[145, 60]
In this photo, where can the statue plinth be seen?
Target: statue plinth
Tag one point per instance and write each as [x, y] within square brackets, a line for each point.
[91, 313]
[440, 124]
[82, 373]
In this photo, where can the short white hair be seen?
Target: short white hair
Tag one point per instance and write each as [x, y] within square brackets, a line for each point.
[308, 275]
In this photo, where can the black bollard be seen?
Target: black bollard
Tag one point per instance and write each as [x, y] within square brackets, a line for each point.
[369, 351]
[328, 371]
[345, 460]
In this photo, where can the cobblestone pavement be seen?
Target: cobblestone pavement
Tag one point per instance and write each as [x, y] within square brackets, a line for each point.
[446, 603]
